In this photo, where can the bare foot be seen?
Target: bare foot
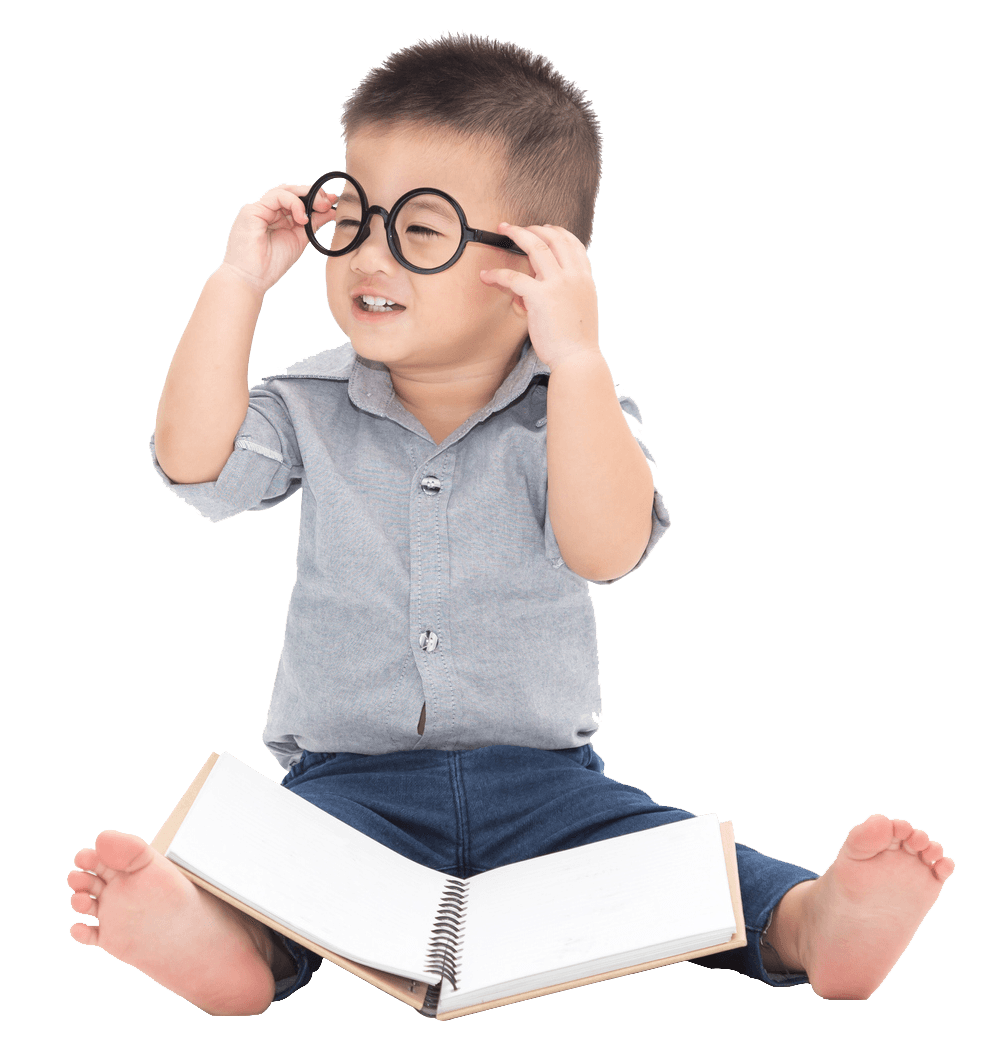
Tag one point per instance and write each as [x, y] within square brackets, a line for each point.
[848, 928]
[151, 916]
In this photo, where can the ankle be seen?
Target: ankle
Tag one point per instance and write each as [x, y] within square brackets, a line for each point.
[784, 933]
[269, 946]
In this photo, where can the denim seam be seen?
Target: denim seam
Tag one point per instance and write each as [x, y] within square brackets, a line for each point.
[459, 812]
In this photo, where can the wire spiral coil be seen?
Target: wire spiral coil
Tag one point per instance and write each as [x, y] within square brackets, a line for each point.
[447, 932]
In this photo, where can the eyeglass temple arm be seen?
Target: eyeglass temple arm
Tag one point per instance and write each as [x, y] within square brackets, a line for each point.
[498, 241]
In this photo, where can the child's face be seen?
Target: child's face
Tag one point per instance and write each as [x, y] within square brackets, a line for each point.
[451, 317]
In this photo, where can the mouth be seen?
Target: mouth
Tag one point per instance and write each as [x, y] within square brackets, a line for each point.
[376, 304]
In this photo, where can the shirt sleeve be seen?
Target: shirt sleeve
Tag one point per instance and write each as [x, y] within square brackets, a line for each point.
[660, 520]
[263, 469]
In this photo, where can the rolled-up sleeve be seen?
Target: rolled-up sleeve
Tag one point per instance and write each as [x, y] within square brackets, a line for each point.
[660, 520]
[263, 469]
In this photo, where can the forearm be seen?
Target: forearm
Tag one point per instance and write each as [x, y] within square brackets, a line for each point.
[600, 490]
[206, 394]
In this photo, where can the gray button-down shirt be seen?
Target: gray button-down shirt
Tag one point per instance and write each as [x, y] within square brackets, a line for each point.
[427, 574]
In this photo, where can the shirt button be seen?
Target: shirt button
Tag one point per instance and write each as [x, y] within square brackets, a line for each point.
[431, 485]
[428, 640]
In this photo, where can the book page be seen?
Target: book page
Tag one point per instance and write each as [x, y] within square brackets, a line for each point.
[604, 902]
[282, 855]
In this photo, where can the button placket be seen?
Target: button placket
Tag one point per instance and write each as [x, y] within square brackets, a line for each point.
[428, 639]
[430, 576]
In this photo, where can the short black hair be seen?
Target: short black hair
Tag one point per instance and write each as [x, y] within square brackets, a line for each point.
[538, 126]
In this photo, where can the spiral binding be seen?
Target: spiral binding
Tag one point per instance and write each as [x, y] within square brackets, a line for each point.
[447, 935]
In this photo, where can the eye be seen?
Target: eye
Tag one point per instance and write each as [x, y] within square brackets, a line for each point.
[347, 223]
[422, 232]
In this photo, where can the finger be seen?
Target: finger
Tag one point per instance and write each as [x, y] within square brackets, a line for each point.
[289, 201]
[568, 248]
[565, 235]
[323, 201]
[286, 206]
[514, 281]
[534, 242]
[280, 214]
[323, 209]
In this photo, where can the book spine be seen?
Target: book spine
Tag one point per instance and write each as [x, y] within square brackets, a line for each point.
[446, 941]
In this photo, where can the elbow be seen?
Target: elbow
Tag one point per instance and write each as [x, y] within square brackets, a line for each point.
[189, 469]
[608, 566]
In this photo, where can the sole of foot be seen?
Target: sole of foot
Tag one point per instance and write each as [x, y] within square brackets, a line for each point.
[862, 913]
[152, 917]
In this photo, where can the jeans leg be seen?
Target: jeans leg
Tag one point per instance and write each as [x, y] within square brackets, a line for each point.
[306, 960]
[763, 882]
[525, 802]
[401, 800]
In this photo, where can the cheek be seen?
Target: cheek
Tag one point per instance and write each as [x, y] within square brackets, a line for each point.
[335, 287]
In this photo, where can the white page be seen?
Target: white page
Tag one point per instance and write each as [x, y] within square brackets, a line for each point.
[287, 858]
[603, 899]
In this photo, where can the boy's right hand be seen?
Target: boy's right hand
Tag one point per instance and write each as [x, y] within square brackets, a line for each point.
[268, 237]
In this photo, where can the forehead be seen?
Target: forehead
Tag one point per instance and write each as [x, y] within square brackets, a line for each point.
[388, 162]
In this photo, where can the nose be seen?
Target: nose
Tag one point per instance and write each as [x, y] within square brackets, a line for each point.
[373, 252]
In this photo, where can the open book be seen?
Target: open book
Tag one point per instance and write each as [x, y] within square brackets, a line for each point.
[450, 946]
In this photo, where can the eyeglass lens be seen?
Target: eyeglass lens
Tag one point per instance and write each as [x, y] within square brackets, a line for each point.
[427, 229]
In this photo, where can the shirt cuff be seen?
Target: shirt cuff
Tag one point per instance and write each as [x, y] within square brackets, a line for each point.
[243, 483]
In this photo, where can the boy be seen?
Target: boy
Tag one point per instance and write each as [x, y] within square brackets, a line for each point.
[466, 467]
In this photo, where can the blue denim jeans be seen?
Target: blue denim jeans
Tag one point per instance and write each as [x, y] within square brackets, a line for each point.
[466, 811]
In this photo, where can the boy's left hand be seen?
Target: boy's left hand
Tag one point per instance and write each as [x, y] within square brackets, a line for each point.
[560, 302]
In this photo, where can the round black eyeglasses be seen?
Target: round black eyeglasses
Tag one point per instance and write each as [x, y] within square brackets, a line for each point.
[427, 230]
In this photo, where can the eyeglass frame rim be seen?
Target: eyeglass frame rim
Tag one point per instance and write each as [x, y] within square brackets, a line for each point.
[468, 233]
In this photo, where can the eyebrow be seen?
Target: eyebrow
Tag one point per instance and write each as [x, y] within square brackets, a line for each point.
[424, 203]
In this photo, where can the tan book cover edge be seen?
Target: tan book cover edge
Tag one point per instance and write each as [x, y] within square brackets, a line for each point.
[413, 992]
[739, 940]
[410, 991]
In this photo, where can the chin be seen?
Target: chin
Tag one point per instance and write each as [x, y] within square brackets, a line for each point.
[375, 350]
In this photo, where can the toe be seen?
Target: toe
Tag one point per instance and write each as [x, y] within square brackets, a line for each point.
[83, 903]
[84, 933]
[123, 851]
[869, 838]
[901, 829]
[916, 842]
[82, 882]
[943, 868]
[931, 853]
[86, 859]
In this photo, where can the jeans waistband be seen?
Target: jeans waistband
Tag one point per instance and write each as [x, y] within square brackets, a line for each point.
[585, 756]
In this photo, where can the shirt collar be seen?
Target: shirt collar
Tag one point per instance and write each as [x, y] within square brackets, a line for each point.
[370, 386]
